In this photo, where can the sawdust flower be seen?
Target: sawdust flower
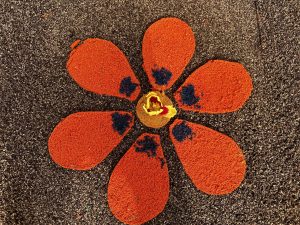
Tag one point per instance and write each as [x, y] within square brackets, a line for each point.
[138, 189]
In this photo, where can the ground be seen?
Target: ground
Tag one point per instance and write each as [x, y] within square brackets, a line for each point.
[36, 92]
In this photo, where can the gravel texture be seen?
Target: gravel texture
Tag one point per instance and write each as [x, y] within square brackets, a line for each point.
[37, 92]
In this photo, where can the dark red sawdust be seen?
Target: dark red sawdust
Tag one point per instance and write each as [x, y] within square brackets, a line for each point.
[212, 160]
[168, 43]
[138, 189]
[220, 85]
[154, 100]
[84, 139]
[99, 66]
[165, 110]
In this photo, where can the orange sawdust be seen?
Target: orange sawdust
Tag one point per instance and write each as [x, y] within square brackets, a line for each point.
[75, 44]
[84, 139]
[88, 66]
[169, 43]
[139, 185]
[221, 87]
[212, 160]
[138, 188]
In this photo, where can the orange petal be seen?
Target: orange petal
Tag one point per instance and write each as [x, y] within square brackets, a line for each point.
[213, 161]
[168, 46]
[99, 66]
[217, 87]
[138, 189]
[84, 139]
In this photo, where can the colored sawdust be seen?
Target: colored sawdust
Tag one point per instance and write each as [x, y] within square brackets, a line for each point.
[158, 120]
[139, 185]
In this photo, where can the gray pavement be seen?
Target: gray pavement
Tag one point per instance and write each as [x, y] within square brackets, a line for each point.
[36, 92]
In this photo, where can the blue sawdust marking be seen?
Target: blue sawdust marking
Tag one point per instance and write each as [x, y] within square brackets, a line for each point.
[161, 76]
[188, 95]
[127, 87]
[182, 131]
[120, 122]
[147, 145]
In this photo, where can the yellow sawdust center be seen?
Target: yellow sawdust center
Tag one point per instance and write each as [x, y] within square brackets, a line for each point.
[155, 109]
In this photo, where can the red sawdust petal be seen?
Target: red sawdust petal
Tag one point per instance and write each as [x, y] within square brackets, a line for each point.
[138, 189]
[84, 139]
[99, 66]
[213, 161]
[217, 87]
[168, 46]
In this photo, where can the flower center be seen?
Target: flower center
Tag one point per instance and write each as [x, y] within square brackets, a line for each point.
[155, 109]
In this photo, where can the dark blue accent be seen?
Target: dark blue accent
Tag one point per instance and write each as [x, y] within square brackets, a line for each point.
[121, 122]
[162, 76]
[188, 95]
[147, 145]
[182, 131]
[127, 87]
